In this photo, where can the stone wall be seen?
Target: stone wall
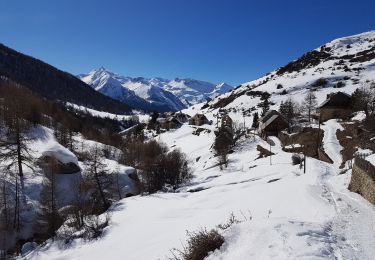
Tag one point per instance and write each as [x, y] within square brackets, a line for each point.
[332, 113]
[323, 156]
[309, 138]
[363, 179]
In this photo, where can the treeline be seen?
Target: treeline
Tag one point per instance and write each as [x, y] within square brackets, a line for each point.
[65, 120]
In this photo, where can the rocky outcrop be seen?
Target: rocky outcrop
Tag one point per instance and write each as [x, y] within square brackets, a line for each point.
[59, 167]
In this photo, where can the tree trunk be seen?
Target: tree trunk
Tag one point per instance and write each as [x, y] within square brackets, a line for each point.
[105, 203]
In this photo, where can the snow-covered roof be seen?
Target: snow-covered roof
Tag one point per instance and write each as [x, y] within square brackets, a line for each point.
[269, 121]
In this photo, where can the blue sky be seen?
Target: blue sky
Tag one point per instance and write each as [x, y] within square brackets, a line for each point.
[214, 40]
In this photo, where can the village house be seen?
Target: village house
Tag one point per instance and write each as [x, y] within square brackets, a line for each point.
[272, 123]
[183, 118]
[170, 122]
[337, 105]
[198, 120]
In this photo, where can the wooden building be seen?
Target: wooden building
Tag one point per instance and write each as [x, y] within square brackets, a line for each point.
[272, 123]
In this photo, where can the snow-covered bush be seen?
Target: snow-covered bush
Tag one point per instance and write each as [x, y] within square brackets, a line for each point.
[199, 245]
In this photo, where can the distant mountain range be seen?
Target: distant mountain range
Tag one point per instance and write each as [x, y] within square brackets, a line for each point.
[153, 93]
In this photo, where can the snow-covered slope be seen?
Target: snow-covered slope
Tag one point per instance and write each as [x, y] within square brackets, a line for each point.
[286, 214]
[154, 93]
[341, 65]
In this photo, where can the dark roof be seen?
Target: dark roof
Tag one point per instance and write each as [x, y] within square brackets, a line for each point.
[338, 99]
[200, 116]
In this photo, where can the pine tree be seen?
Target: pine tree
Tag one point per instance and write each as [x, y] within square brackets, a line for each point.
[364, 100]
[255, 120]
[265, 105]
[288, 110]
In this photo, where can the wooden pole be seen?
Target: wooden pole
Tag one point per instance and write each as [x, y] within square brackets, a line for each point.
[270, 153]
[304, 160]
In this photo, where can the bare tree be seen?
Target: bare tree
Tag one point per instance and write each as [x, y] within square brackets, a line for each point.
[97, 172]
[222, 146]
[50, 213]
[13, 144]
[309, 104]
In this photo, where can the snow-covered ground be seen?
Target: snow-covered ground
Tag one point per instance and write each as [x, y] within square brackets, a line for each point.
[286, 214]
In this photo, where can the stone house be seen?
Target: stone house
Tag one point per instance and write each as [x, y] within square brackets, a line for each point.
[198, 120]
[170, 122]
[272, 123]
[183, 118]
[337, 105]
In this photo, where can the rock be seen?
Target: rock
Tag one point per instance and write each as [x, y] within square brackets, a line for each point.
[28, 247]
[61, 168]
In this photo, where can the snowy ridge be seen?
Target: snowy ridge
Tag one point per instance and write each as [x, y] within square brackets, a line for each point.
[154, 93]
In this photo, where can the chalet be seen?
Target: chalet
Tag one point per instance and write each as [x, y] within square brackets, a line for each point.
[198, 119]
[337, 105]
[272, 123]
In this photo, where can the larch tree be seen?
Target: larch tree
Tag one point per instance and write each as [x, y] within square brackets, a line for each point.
[309, 104]
[50, 213]
[98, 174]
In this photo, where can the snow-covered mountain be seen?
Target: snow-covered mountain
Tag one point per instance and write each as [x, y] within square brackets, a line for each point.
[192, 91]
[140, 93]
[343, 65]
[153, 93]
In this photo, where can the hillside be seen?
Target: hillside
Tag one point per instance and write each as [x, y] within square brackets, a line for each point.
[153, 93]
[340, 65]
[52, 83]
[281, 212]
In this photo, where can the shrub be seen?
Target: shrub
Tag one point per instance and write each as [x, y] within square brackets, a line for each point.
[200, 244]
[340, 84]
[296, 159]
[322, 82]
